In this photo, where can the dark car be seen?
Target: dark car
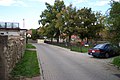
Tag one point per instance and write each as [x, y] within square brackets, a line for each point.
[102, 50]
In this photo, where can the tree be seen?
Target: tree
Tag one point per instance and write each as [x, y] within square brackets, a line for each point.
[34, 34]
[114, 19]
[69, 14]
[100, 27]
[50, 18]
[87, 23]
[47, 19]
[59, 19]
[58, 7]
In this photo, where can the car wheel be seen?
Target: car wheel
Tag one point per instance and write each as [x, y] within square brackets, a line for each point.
[107, 55]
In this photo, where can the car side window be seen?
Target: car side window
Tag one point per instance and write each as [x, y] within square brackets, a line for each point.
[111, 47]
[107, 47]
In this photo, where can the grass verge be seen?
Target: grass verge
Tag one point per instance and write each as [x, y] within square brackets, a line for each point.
[28, 66]
[30, 46]
[116, 61]
[75, 48]
[79, 49]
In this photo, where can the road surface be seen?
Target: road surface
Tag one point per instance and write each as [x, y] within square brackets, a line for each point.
[62, 64]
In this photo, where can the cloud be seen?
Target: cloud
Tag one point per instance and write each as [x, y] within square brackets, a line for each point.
[117, 0]
[101, 3]
[12, 2]
[77, 2]
[6, 2]
[20, 3]
[74, 2]
[44, 1]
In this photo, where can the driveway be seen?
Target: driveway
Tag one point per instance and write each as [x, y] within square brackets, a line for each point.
[62, 64]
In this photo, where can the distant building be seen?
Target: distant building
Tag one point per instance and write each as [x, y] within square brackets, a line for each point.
[11, 29]
[29, 33]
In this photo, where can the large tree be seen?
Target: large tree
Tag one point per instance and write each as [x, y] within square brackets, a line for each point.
[50, 18]
[47, 19]
[114, 19]
[87, 23]
[60, 19]
[58, 7]
[69, 15]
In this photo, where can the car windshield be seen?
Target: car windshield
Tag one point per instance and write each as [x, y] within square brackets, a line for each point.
[99, 46]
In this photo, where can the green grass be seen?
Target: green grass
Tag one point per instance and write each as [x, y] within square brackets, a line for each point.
[30, 46]
[74, 48]
[79, 49]
[116, 61]
[28, 66]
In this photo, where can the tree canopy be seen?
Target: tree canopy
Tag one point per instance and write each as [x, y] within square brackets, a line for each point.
[58, 19]
[50, 18]
[114, 20]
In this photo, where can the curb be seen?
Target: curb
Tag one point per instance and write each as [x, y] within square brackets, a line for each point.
[32, 49]
[41, 71]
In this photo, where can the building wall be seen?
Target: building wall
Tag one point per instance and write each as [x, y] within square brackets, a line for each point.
[11, 51]
[10, 33]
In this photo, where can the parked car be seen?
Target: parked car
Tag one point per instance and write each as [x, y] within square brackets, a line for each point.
[102, 50]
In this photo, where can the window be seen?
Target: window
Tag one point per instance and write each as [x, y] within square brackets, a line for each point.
[12, 25]
[15, 25]
[9, 25]
[2, 25]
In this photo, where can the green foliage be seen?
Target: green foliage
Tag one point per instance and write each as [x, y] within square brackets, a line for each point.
[69, 14]
[28, 66]
[114, 28]
[34, 34]
[50, 18]
[116, 61]
[89, 24]
[59, 19]
[114, 19]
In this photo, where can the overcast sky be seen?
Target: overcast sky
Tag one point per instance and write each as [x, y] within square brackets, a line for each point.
[30, 10]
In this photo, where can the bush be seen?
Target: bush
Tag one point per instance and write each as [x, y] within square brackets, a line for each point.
[116, 61]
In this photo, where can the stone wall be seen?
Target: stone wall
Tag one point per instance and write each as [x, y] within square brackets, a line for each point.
[11, 51]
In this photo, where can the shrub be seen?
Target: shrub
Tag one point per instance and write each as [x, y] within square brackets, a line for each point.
[116, 61]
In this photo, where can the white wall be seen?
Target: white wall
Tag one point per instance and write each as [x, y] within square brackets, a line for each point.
[15, 33]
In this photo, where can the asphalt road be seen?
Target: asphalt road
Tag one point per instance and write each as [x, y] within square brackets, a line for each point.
[62, 64]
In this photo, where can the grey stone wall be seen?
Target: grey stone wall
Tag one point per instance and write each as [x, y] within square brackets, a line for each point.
[3, 42]
[11, 51]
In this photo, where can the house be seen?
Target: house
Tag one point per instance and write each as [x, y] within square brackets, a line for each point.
[29, 33]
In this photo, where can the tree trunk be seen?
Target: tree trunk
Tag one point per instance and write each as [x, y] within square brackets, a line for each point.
[69, 38]
[51, 40]
[58, 40]
[57, 36]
